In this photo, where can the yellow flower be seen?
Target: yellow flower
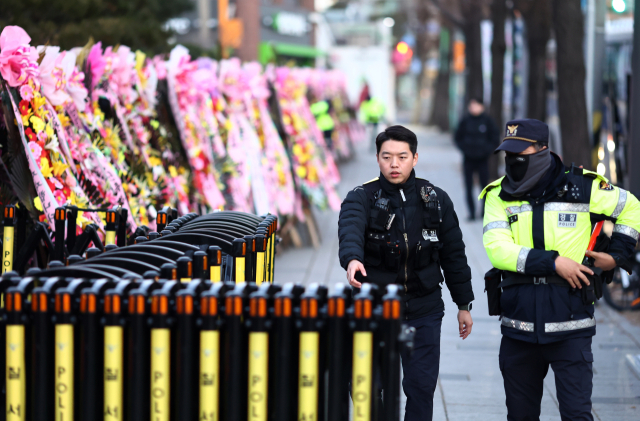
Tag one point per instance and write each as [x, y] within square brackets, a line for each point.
[297, 150]
[81, 220]
[59, 168]
[228, 125]
[301, 171]
[38, 102]
[49, 130]
[38, 204]
[25, 119]
[64, 120]
[154, 161]
[47, 171]
[38, 124]
[172, 171]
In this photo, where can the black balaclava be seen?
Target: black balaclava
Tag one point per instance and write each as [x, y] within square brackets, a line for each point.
[524, 171]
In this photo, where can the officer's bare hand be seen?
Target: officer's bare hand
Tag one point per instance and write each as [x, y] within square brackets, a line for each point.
[603, 261]
[572, 271]
[465, 323]
[355, 266]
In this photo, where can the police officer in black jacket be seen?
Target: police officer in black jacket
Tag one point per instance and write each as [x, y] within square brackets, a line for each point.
[401, 229]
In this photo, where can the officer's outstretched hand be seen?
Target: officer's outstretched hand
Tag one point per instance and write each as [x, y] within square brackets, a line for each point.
[572, 271]
[355, 266]
[465, 323]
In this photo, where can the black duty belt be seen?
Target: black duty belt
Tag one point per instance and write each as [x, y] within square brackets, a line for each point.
[511, 278]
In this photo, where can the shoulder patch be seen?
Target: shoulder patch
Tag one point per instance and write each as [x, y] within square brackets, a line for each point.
[491, 186]
[605, 186]
[592, 174]
[371, 181]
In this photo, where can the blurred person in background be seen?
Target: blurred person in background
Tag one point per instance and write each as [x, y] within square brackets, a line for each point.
[477, 137]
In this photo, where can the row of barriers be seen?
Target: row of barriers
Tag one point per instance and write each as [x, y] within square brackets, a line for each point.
[165, 350]
[187, 324]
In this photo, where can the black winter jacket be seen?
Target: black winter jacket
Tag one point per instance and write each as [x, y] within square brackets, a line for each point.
[477, 136]
[423, 277]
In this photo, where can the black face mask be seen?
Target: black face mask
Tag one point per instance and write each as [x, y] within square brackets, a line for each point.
[516, 166]
[524, 171]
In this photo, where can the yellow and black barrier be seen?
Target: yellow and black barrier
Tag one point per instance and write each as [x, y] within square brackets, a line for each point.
[188, 324]
[80, 349]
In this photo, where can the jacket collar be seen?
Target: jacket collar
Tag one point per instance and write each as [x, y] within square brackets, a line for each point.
[393, 190]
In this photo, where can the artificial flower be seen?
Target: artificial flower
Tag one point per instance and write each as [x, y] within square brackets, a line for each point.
[64, 120]
[26, 92]
[30, 134]
[55, 68]
[38, 203]
[35, 149]
[46, 170]
[53, 144]
[42, 136]
[59, 167]
[18, 60]
[23, 106]
[37, 124]
[60, 197]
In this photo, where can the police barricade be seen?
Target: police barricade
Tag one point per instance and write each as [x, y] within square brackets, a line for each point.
[188, 324]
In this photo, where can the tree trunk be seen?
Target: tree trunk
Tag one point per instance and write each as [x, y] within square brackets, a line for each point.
[498, 48]
[572, 105]
[537, 19]
[440, 107]
[472, 15]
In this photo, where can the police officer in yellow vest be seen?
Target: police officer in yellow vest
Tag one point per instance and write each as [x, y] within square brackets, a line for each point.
[537, 225]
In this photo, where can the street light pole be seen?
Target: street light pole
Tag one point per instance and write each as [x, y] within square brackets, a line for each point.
[634, 138]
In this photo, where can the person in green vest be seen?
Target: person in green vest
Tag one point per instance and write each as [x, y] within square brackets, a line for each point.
[371, 113]
[322, 112]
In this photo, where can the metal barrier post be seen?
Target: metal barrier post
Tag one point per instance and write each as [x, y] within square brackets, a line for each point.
[185, 269]
[200, 265]
[257, 395]
[113, 357]
[239, 253]
[16, 367]
[42, 350]
[261, 246]
[215, 263]
[72, 216]
[391, 327]
[310, 373]
[121, 238]
[209, 375]
[60, 221]
[110, 229]
[285, 345]
[363, 359]
[186, 355]
[90, 357]
[249, 261]
[160, 357]
[64, 358]
[8, 238]
[138, 366]
[234, 392]
[161, 221]
[339, 350]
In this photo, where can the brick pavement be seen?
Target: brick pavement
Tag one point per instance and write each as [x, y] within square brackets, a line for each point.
[470, 385]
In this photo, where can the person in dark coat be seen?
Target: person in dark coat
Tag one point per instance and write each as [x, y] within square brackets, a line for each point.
[401, 229]
[477, 137]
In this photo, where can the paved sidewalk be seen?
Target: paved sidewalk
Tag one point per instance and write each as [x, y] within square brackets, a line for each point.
[470, 385]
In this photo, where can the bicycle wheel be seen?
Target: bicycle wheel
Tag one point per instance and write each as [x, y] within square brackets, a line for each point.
[623, 293]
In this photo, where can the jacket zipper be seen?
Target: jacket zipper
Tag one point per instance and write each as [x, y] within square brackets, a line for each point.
[406, 243]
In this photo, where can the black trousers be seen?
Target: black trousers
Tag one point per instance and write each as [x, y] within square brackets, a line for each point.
[420, 370]
[525, 365]
[480, 167]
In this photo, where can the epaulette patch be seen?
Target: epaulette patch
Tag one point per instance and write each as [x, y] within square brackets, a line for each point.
[371, 181]
[606, 186]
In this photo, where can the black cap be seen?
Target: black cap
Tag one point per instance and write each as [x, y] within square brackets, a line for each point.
[522, 133]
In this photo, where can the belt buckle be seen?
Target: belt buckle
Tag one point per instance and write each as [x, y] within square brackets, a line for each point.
[539, 280]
